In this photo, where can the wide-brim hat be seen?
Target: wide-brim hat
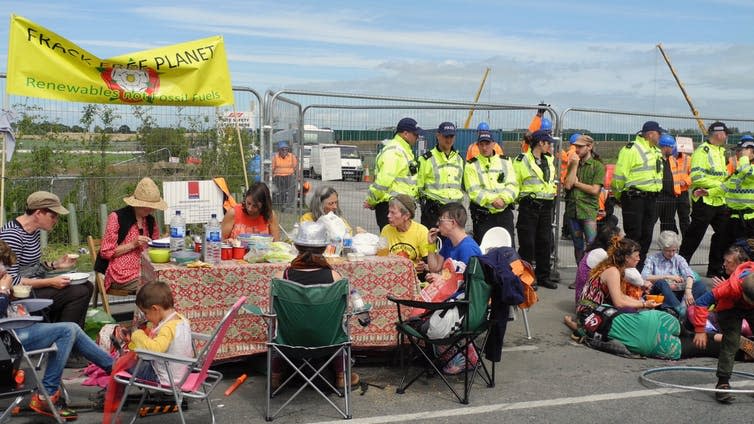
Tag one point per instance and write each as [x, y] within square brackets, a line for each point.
[146, 195]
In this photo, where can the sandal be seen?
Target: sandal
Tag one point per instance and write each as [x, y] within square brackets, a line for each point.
[724, 397]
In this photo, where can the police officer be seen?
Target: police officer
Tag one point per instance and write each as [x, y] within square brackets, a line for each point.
[440, 175]
[535, 172]
[739, 195]
[395, 170]
[492, 186]
[708, 174]
[637, 181]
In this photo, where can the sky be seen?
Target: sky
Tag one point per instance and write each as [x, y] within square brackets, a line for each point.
[576, 53]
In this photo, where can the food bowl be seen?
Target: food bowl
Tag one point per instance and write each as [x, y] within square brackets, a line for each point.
[238, 252]
[657, 298]
[159, 256]
[21, 291]
[185, 256]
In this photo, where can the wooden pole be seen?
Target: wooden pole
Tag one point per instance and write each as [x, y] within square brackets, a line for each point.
[476, 98]
[695, 112]
[240, 147]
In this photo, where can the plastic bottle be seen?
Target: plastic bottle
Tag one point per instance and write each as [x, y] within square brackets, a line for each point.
[177, 232]
[294, 232]
[358, 308]
[213, 241]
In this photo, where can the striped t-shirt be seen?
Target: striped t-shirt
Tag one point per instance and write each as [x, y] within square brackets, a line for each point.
[26, 246]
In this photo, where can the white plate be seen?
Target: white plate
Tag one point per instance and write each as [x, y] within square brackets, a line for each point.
[77, 277]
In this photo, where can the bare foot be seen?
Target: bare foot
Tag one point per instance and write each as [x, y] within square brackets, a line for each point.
[570, 323]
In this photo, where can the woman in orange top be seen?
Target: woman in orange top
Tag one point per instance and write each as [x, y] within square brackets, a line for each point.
[254, 215]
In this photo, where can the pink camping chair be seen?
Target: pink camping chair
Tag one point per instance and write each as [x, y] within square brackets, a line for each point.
[196, 384]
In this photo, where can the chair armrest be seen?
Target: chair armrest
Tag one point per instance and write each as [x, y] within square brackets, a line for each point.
[149, 355]
[32, 304]
[18, 322]
[432, 306]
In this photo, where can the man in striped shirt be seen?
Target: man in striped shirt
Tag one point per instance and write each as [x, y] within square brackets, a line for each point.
[22, 235]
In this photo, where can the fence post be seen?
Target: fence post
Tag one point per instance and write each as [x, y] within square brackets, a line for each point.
[102, 219]
[73, 226]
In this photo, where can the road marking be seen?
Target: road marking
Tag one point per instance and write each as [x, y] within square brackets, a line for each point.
[498, 407]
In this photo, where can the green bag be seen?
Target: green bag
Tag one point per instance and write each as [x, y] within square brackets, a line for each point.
[96, 318]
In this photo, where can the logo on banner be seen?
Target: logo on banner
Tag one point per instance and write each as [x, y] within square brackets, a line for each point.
[133, 85]
[193, 189]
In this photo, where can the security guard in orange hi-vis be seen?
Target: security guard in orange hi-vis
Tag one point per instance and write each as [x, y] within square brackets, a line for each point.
[538, 122]
[473, 149]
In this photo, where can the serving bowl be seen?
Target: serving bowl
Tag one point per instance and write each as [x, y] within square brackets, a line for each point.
[159, 256]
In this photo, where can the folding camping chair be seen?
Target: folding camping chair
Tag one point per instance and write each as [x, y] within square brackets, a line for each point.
[307, 327]
[474, 312]
[99, 280]
[499, 237]
[24, 361]
[198, 383]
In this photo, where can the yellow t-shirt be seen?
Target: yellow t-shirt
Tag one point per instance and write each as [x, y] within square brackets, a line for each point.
[309, 217]
[411, 244]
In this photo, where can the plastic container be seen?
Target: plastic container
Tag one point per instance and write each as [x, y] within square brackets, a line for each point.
[226, 252]
[177, 232]
[185, 256]
[212, 233]
[359, 308]
[238, 252]
[159, 256]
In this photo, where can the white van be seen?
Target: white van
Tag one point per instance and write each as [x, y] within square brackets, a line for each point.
[351, 166]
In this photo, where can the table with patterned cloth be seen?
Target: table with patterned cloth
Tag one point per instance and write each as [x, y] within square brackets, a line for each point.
[203, 295]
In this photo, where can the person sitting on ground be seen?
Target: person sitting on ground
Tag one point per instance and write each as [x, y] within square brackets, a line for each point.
[253, 216]
[310, 267]
[41, 335]
[127, 233]
[596, 252]
[733, 301]
[406, 237]
[324, 200]
[671, 275]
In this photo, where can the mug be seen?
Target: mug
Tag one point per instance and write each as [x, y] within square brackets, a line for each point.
[226, 253]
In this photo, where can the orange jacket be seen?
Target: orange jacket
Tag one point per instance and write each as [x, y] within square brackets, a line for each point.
[283, 167]
[564, 162]
[732, 165]
[680, 167]
[473, 150]
[535, 124]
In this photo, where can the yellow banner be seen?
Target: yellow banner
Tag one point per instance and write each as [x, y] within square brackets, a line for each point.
[44, 64]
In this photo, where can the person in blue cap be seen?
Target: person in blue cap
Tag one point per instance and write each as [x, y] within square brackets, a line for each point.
[674, 196]
[284, 166]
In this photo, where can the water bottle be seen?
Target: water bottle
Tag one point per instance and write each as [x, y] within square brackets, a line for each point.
[294, 232]
[177, 232]
[213, 241]
[358, 308]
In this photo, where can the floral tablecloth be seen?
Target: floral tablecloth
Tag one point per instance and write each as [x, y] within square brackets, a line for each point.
[204, 295]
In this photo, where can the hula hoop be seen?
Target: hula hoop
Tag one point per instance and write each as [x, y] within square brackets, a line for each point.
[645, 377]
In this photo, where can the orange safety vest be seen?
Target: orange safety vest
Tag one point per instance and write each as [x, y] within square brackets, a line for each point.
[283, 167]
[680, 167]
[732, 165]
[535, 124]
[564, 162]
[473, 150]
[602, 199]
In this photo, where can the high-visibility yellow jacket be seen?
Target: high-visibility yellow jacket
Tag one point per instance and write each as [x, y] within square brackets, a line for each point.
[531, 179]
[639, 167]
[739, 188]
[680, 168]
[440, 176]
[395, 172]
[487, 179]
[473, 150]
[708, 171]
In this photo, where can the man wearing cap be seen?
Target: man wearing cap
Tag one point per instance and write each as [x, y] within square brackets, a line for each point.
[284, 166]
[583, 183]
[440, 175]
[536, 176]
[708, 175]
[738, 195]
[637, 181]
[473, 150]
[395, 170]
[674, 196]
[22, 235]
[492, 185]
[736, 153]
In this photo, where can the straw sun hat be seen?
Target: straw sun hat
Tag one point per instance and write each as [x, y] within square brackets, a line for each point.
[146, 195]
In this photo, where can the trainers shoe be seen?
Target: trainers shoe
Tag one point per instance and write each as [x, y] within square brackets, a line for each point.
[455, 366]
[40, 406]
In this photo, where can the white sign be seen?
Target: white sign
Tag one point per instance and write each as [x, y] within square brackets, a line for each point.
[197, 200]
[244, 119]
[331, 166]
[684, 145]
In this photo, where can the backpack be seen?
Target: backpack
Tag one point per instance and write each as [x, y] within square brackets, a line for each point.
[126, 219]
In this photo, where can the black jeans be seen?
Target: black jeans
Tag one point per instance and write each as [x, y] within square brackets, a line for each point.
[535, 236]
[702, 216]
[639, 217]
[483, 220]
[68, 304]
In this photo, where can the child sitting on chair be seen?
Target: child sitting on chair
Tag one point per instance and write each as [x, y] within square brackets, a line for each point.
[170, 333]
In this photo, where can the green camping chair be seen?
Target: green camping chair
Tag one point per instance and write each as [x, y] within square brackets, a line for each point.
[308, 329]
[472, 333]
